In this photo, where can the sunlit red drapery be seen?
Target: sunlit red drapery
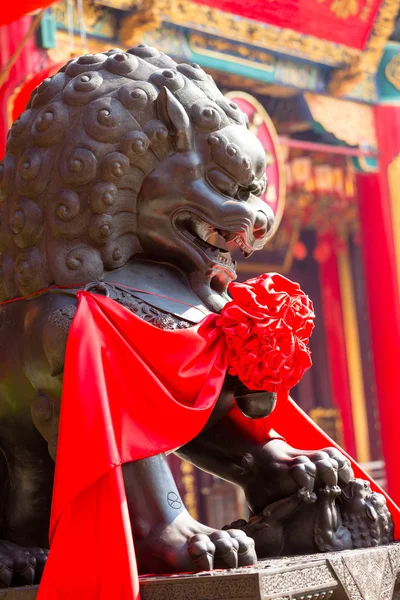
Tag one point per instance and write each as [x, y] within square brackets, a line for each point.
[336, 347]
[383, 296]
[11, 11]
[106, 345]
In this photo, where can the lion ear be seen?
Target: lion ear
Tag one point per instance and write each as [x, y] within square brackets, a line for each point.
[172, 113]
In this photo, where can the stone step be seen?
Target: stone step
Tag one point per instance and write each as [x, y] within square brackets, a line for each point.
[352, 575]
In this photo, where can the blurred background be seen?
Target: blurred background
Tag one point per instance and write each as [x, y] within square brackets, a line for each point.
[320, 83]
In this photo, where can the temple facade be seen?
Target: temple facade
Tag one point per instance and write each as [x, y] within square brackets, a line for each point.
[321, 88]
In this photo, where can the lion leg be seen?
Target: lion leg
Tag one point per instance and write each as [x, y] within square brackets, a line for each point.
[167, 539]
[25, 512]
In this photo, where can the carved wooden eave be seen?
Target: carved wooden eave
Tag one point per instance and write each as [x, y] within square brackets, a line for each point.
[351, 66]
[367, 63]
[214, 32]
[202, 18]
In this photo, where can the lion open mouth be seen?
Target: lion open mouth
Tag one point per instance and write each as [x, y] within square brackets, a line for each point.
[216, 242]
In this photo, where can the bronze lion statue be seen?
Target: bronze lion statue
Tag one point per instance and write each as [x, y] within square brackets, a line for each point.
[130, 170]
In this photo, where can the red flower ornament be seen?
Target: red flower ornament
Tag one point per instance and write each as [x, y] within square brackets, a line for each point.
[267, 326]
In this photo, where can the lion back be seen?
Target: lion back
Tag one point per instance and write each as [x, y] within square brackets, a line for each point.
[77, 157]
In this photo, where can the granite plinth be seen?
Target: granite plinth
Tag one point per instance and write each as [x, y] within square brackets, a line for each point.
[370, 574]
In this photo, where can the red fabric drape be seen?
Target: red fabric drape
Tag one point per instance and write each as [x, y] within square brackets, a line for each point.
[336, 347]
[124, 401]
[11, 11]
[382, 294]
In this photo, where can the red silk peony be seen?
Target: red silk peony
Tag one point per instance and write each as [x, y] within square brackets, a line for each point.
[267, 327]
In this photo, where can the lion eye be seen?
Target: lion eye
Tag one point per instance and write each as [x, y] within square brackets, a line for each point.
[222, 183]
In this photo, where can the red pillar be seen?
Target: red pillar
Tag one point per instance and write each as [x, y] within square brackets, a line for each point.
[381, 269]
[336, 348]
[30, 61]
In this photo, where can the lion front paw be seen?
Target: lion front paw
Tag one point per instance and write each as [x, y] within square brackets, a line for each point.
[20, 566]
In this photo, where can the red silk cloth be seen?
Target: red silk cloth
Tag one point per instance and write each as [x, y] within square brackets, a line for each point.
[125, 399]
[341, 22]
[382, 287]
[11, 11]
[336, 347]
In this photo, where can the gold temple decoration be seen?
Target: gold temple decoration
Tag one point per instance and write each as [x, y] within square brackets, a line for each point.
[367, 63]
[392, 71]
[94, 15]
[353, 65]
[223, 24]
[63, 49]
[350, 122]
[188, 480]
[254, 57]
[330, 421]
[354, 360]
[344, 9]
[145, 18]
[394, 193]
[229, 80]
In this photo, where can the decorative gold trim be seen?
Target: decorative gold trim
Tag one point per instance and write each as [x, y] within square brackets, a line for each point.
[394, 193]
[354, 363]
[267, 89]
[63, 49]
[266, 62]
[392, 71]
[134, 25]
[279, 153]
[188, 480]
[349, 121]
[320, 414]
[367, 63]
[223, 24]
[365, 166]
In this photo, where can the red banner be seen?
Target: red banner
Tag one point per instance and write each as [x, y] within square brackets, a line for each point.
[347, 22]
[11, 11]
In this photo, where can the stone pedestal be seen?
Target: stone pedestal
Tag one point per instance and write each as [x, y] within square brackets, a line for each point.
[354, 575]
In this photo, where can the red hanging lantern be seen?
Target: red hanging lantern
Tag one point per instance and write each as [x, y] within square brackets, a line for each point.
[322, 251]
[300, 251]
[11, 11]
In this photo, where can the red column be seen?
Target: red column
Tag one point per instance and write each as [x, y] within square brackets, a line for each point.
[30, 60]
[378, 244]
[336, 348]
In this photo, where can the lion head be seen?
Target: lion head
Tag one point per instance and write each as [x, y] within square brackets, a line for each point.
[127, 153]
[365, 514]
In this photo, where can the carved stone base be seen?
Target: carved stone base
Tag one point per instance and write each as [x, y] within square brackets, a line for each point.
[25, 593]
[352, 575]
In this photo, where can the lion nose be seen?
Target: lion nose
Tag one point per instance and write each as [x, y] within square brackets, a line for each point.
[262, 224]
